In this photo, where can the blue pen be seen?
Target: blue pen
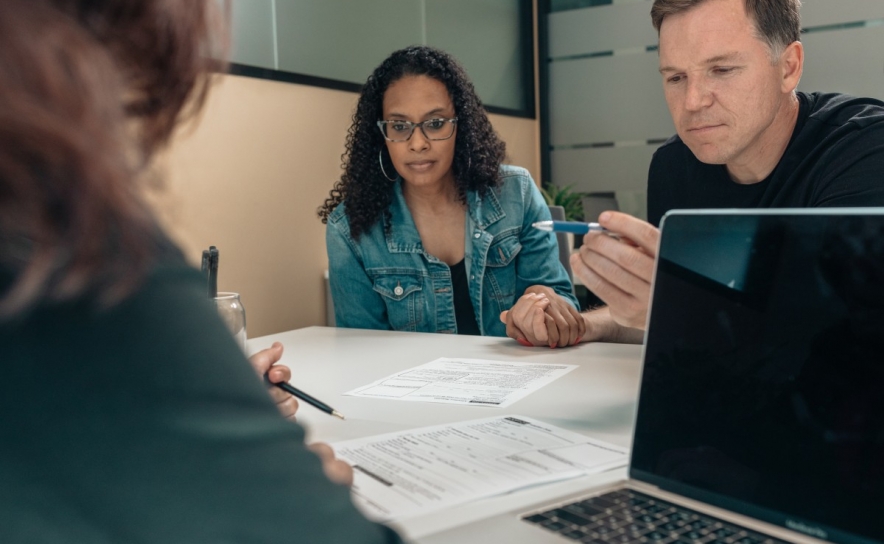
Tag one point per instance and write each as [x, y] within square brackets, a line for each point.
[576, 227]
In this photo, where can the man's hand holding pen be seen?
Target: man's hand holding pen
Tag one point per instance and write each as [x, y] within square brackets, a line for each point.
[619, 271]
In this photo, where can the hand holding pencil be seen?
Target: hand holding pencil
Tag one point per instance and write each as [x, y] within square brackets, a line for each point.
[265, 364]
[284, 394]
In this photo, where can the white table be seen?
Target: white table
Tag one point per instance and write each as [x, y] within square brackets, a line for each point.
[597, 399]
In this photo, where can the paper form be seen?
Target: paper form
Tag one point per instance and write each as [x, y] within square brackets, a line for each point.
[465, 381]
[403, 474]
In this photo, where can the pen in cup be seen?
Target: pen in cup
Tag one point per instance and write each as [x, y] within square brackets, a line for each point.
[575, 227]
[297, 393]
[213, 272]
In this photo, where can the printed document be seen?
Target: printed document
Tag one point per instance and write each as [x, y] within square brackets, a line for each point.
[404, 474]
[465, 381]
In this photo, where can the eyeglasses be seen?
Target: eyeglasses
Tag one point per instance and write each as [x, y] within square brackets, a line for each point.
[433, 129]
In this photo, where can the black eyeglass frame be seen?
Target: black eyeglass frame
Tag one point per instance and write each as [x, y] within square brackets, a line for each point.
[412, 126]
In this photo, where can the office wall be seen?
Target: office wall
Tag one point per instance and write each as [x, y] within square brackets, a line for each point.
[248, 178]
[311, 37]
[607, 111]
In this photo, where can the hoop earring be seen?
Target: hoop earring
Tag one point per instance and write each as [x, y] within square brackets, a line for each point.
[381, 162]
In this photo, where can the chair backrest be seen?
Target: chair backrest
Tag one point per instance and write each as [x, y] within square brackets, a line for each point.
[565, 243]
[596, 203]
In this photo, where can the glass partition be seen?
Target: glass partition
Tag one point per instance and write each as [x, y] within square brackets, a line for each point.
[337, 43]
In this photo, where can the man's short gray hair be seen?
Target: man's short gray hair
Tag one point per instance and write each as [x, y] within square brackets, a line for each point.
[777, 22]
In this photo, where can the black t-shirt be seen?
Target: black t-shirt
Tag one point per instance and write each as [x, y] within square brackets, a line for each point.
[464, 314]
[834, 158]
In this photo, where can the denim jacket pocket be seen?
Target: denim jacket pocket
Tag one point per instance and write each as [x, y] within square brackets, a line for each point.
[501, 269]
[402, 292]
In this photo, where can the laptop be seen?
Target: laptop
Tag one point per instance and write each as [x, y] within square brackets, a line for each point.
[761, 410]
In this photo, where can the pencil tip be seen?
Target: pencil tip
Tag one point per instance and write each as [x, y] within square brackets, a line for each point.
[337, 414]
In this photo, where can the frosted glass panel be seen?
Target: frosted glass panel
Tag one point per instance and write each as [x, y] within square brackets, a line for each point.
[849, 61]
[603, 28]
[484, 35]
[619, 98]
[607, 99]
[603, 169]
[344, 39]
[827, 12]
[561, 5]
[252, 33]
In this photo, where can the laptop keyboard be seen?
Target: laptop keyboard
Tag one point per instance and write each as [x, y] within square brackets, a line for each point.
[625, 516]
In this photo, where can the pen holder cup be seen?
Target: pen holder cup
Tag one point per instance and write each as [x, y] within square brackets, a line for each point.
[233, 314]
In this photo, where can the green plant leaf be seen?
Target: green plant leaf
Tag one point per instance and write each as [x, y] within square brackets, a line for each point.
[565, 197]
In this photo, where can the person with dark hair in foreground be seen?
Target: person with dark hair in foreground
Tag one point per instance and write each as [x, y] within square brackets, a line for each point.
[128, 412]
[745, 139]
[427, 231]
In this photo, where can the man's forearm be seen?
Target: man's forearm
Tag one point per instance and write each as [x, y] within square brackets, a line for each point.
[601, 327]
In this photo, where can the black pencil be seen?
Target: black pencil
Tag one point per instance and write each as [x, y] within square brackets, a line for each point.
[297, 393]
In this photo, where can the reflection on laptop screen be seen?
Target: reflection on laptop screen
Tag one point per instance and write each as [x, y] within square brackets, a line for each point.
[725, 257]
[763, 387]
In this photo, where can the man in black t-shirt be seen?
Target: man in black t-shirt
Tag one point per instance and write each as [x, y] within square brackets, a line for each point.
[834, 157]
[745, 139]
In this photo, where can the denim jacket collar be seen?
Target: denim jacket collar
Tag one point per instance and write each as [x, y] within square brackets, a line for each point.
[484, 212]
[401, 233]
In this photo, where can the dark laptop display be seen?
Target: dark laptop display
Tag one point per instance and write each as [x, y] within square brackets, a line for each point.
[763, 385]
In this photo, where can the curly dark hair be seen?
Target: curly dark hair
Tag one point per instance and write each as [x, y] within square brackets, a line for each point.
[478, 151]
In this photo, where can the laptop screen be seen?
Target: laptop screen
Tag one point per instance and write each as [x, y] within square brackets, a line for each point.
[763, 385]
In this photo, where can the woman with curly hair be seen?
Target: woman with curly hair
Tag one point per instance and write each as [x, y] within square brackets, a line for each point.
[427, 231]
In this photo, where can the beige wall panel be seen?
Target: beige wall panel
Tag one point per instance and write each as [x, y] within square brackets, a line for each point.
[249, 178]
[522, 142]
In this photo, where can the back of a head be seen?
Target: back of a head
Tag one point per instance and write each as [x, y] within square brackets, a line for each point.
[778, 21]
[162, 49]
[90, 90]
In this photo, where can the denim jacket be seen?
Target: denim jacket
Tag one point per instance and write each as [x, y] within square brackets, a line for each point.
[385, 280]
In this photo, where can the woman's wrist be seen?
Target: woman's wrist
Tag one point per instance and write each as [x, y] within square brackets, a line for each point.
[540, 290]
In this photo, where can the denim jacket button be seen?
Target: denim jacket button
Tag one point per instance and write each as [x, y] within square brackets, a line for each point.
[477, 235]
[398, 290]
